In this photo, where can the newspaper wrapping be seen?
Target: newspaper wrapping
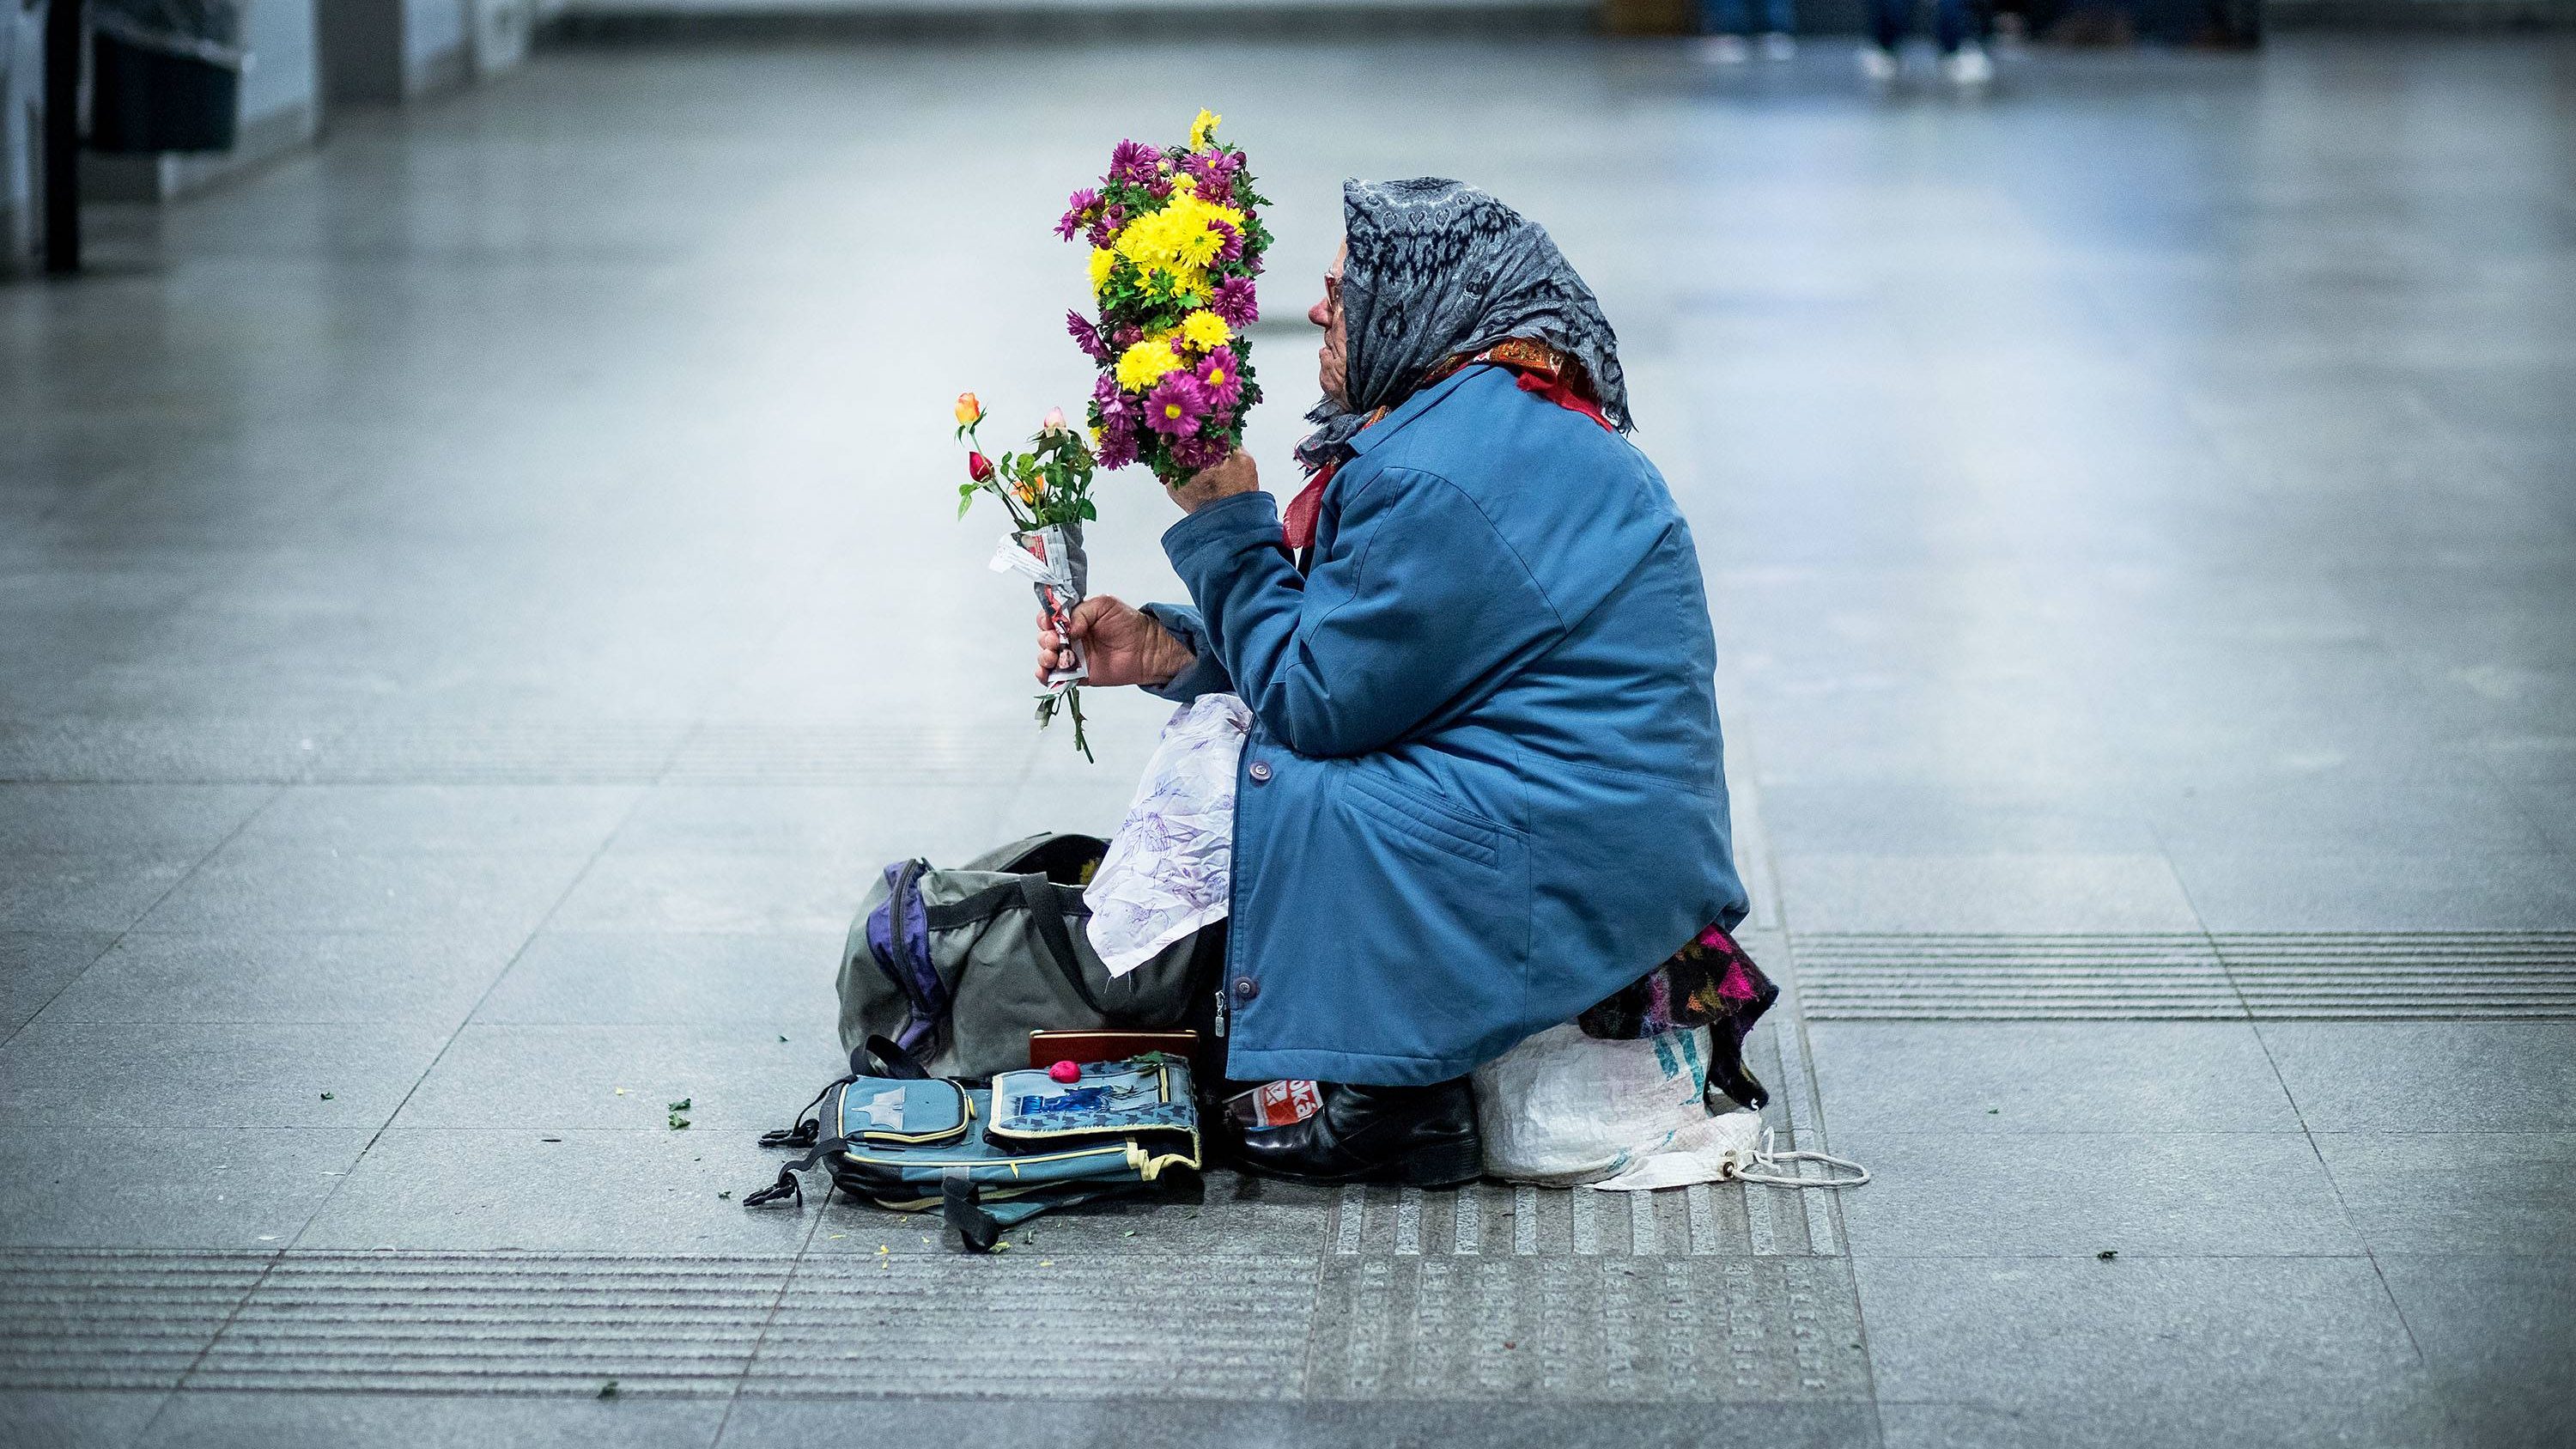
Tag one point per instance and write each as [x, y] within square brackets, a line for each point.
[1051, 559]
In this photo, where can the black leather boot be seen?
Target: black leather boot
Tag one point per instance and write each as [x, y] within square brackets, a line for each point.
[1421, 1136]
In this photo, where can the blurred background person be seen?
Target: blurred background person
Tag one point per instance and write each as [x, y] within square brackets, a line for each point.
[1955, 32]
[1727, 27]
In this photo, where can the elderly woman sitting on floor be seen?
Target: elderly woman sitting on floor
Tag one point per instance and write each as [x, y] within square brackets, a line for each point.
[1482, 790]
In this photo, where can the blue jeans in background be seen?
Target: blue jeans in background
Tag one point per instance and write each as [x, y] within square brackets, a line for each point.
[1890, 20]
[1734, 17]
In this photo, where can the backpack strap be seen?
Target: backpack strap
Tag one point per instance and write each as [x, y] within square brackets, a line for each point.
[889, 1059]
[807, 1129]
[788, 1183]
[958, 1204]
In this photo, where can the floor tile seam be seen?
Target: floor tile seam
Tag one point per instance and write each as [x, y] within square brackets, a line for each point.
[777, 1301]
[1793, 1020]
[2124, 1255]
[2420, 1255]
[139, 917]
[231, 1315]
[2230, 1133]
[2208, 940]
[2521, 802]
[714, 691]
[467, 1019]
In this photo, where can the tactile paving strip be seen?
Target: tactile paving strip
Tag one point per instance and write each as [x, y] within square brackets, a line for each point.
[115, 1320]
[1718, 1292]
[1621, 1328]
[482, 1323]
[1688, 1296]
[1091, 1327]
[2334, 976]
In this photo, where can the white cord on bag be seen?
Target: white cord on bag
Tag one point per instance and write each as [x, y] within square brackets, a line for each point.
[1763, 1156]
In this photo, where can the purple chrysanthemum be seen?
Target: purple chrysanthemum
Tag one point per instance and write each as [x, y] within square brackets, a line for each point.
[1221, 379]
[1087, 337]
[1117, 443]
[1126, 337]
[1203, 451]
[1104, 229]
[1175, 405]
[1230, 249]
[1214, 172]
[1116, 408]
[1135, 163]
[1077, 211]
[1234, 301]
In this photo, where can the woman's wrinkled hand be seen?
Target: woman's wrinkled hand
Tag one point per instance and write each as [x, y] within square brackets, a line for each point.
[1123, 644]
[1237, 474]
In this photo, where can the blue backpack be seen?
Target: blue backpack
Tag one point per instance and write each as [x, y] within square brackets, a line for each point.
[990, 1157]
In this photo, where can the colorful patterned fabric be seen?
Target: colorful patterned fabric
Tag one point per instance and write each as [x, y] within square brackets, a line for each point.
[1710, 982]
[1705, 982]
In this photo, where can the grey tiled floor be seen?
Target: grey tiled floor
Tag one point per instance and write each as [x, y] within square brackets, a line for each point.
[477, 603]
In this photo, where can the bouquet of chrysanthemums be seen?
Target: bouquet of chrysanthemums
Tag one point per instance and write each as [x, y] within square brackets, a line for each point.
[1176, 239]
[1048, 493]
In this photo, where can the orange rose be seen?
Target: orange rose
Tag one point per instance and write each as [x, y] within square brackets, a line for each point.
[969, 411]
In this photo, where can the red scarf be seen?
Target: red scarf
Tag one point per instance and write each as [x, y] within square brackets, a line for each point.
[1539, 369]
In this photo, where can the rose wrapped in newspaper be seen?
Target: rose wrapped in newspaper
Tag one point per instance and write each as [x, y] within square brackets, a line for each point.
[1176, 239]
[1047, 491]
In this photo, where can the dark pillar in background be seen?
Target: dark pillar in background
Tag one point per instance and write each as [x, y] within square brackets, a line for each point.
[63, 24]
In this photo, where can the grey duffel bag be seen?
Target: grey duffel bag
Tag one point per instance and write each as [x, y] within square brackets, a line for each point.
[957, 967]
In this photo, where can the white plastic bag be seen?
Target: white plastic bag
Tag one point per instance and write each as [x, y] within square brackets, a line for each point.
[1564, 1109]
[1170, 870]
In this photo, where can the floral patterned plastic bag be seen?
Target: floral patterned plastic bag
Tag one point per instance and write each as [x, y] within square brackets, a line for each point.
[1170, 870]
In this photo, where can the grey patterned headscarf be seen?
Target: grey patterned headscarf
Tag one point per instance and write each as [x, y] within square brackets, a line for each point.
[1437, 268]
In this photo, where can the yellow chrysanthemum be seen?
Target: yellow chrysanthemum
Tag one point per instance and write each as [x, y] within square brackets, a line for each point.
[1204, 330]
[1181, 239]
[1102, 259]
[1144, 364]
[1203, 130]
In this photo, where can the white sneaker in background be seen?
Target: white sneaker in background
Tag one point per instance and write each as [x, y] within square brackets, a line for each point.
[1878, 64]
[1967, 66]
[1725, 49]
[1779, 45]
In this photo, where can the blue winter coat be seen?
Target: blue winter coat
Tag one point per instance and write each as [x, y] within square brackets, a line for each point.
[1482, 790]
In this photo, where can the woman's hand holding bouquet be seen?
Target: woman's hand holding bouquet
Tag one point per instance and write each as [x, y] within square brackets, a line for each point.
[1120, 644]
[1176, 239]
[1047, 491]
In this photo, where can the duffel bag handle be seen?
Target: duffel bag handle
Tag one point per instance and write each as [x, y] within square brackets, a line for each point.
[889, 1055]
[1039, 894]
